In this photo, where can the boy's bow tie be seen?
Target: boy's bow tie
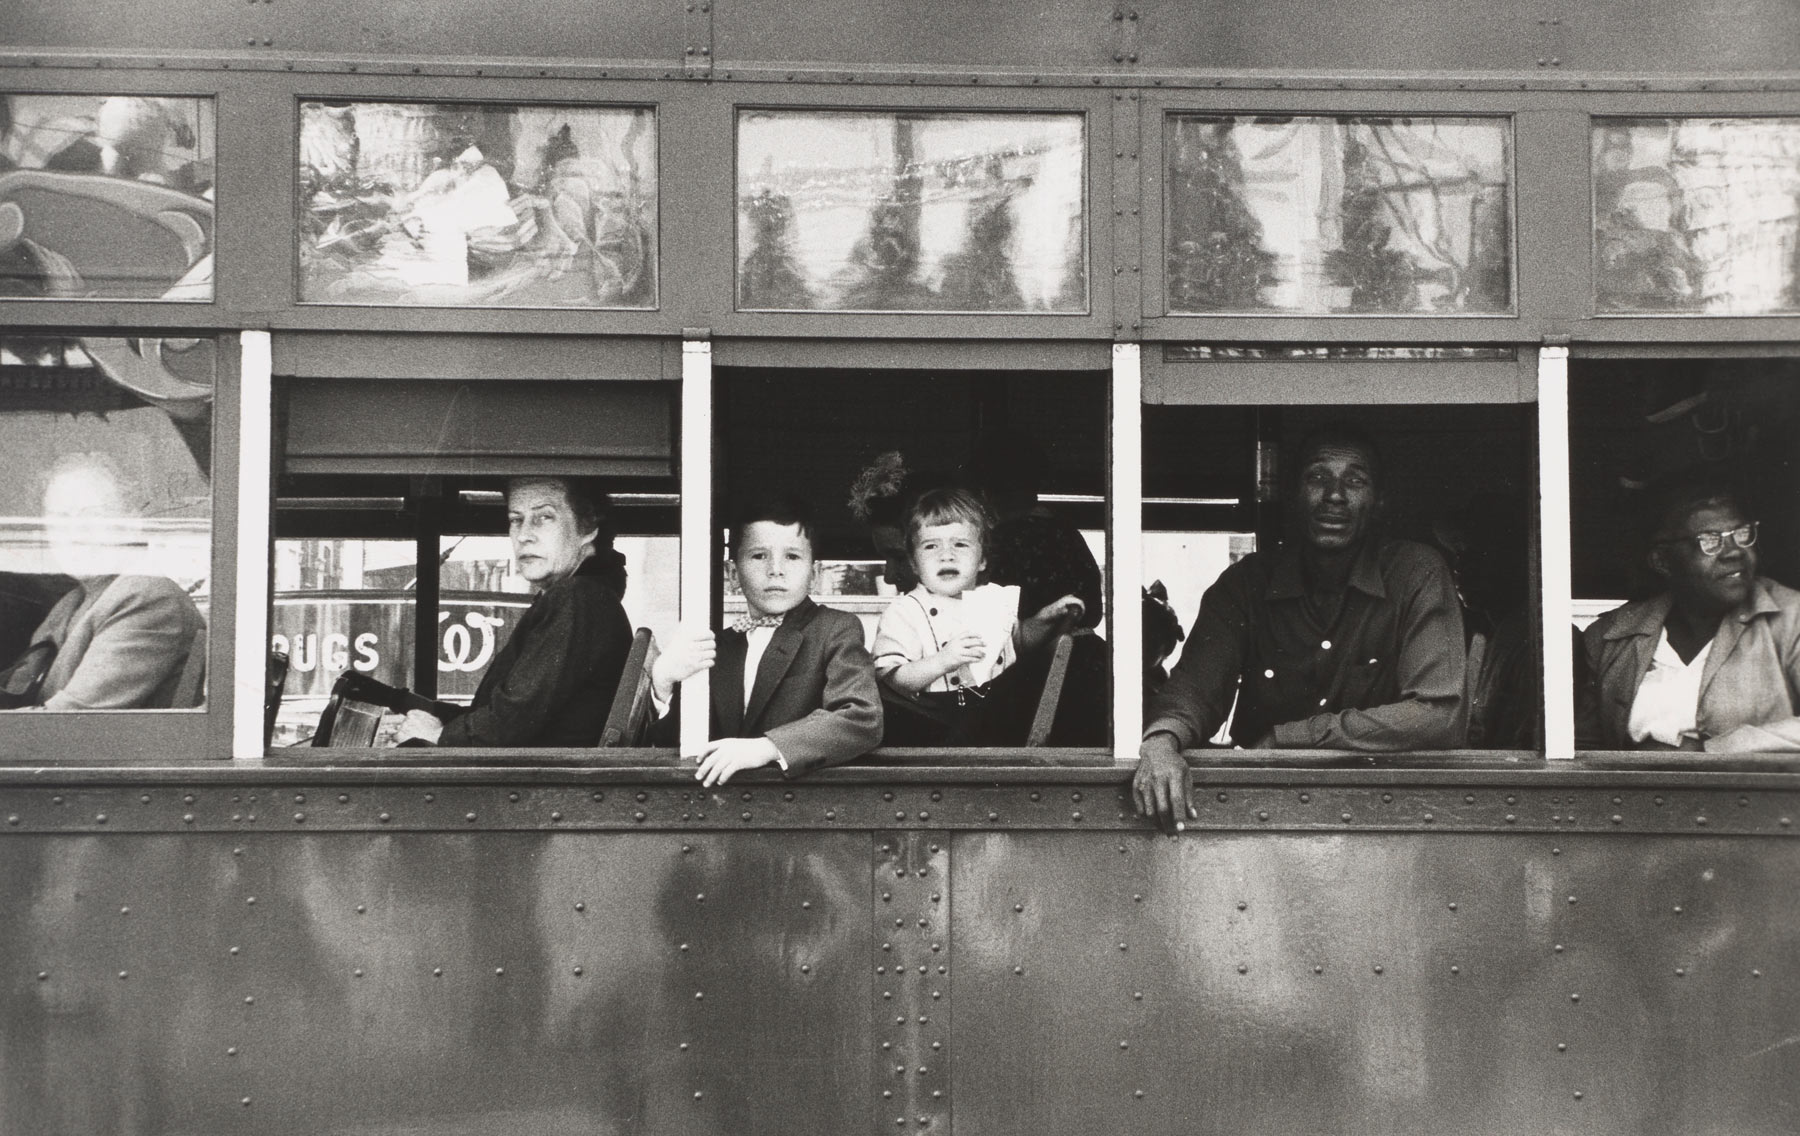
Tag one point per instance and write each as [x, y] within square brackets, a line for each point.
[744, 624]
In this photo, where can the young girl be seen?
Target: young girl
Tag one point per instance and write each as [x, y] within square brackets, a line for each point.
[951, 635]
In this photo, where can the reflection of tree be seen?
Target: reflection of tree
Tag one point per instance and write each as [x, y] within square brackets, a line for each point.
[883, 266]
[1380, 278]
[770, 277]
[979, 277]
[1216, 258]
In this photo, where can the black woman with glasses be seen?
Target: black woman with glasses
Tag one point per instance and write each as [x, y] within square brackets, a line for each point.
[1713, 661]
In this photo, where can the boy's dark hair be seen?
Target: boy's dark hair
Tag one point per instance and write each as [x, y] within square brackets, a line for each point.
[776, 509]
[587, 501]
[1339, 433]
[1671, 497]
[942, 506]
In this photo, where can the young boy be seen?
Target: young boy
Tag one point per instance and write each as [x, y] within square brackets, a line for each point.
[952, 635]
[792, 684]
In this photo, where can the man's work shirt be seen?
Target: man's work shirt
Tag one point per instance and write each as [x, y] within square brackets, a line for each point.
[1382, 672]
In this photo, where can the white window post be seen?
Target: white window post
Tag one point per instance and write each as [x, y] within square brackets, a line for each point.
[256, 386]
[1126, 494]
[697, 567]
[1553, 541]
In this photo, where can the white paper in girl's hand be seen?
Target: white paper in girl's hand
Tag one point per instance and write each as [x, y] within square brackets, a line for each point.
[990, 612]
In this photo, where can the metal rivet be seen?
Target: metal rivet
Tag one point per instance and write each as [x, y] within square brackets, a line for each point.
[100, 818]
[1377, 968]
[830, 814]
[700, 897]
[1456, 970]
[1137, 995]
[298, 817]
[1139, 1094]
[360, 909]
[188, 798]
[250, 1001]
[1243, 968]
[555, 816]
[1037, 796]
[1018, 970]
[1617, 819]
[1018, 907]
[469, 816]
[1453, 907]
[1318, 970]
[499, 972]
[343, 798]
[234, 950]
[805, 969]
[1677, 909]
[1562, 1047]
[580, 906]
[1122, 946]
[437, 972]
[1556, 851]
[1076, 815]
[1242, 905]
[56, 800]
[1697, 820]
[1428, 818]
[1756, 974]
[1558, 948]
[1387, 798]
[599, 796]
[1345, 817]
[430, 797]
[357, 973]
[251, 900]
[1574, 997]
[1577, 1094]
[1571, 899]
[1510, 818]
[12, 820]
[43, 975]
[1681, 972]
[576, 971]
[699, 995]
[124, 974]
[1124, 1045]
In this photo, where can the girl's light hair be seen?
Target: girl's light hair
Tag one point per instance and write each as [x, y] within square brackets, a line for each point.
[942, 507]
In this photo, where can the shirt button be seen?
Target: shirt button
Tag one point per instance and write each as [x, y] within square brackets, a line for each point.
[954, 681]
[1321, 702]
[1372, 660]
[1325, 644]
[1269, 674]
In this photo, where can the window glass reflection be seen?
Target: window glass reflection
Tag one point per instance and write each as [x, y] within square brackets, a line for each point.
[1389, 215]
[105, 522]
[106, 197]
[852, 211]
[478, 206]
[1697, 215]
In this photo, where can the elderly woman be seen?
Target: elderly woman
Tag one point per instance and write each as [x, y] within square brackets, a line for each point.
[553, 681]
[1713, 662]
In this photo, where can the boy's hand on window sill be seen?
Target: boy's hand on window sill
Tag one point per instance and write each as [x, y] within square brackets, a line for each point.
[726, 756]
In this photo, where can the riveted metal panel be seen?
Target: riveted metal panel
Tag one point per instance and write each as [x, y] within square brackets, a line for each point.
[1026, 799]
[449, 983]
[1398, 983]
[622, 29]
[1537, 36]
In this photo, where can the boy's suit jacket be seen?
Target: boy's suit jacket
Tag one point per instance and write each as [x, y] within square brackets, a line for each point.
[815, 694]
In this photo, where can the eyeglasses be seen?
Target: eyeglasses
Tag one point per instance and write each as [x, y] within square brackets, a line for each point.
[1713, 543]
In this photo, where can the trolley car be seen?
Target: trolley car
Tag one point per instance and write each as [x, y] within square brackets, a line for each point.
[314, 279]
